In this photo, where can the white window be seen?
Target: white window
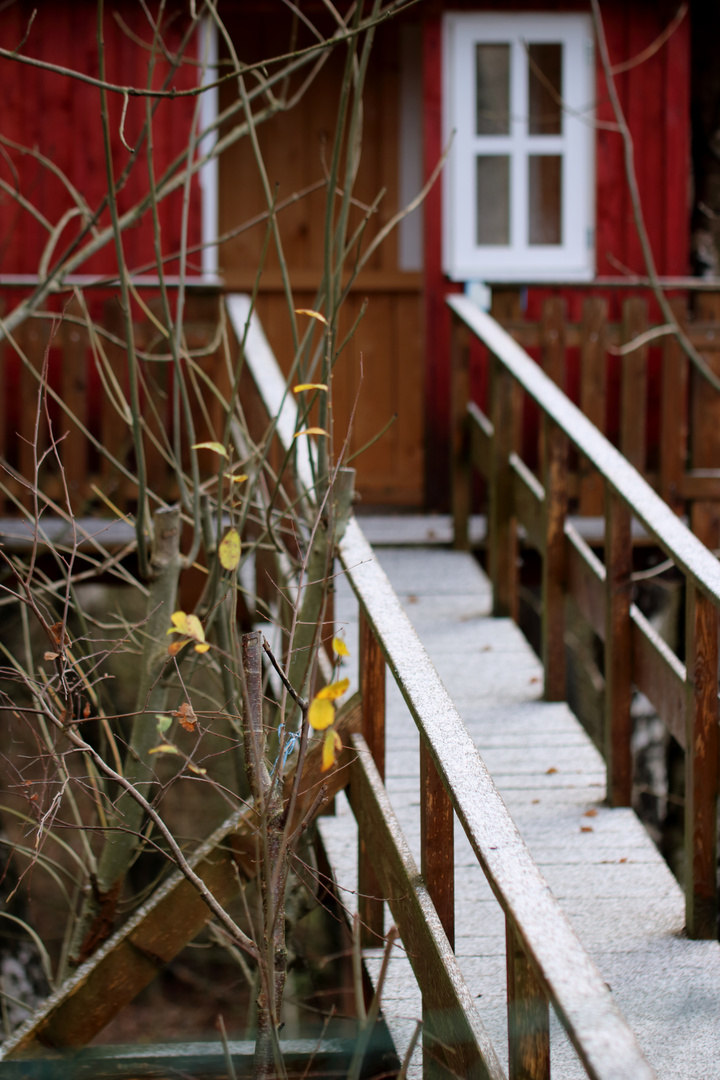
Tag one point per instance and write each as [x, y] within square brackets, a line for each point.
[519, 184]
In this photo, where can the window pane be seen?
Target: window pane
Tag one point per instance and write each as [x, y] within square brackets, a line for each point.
[545, 179]
[492, 66]
[545, 89]
[493, 200]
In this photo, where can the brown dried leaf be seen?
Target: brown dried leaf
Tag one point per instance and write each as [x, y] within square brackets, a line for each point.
[186, 716]
[550, 771]
[59, 635]
[586, 828]
[590, 813]
[50, 656]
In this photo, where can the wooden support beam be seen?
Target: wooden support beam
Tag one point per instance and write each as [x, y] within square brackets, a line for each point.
[618, 650]
[372, 688]
[437, 845]
[503, 544]
[528, 1014]
[553, 578]
[461, 481]
[701, 765]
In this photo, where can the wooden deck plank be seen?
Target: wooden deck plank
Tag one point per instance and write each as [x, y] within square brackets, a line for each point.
[615, 888]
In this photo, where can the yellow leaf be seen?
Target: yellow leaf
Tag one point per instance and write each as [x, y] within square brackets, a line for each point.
[334, 690]
[179, 622]
[311, 431]
[229, 550]
[312, 314]
[175, 646]
[309, 386]
[331, 745]
[321, 713]
[339, 647]
[195, 628]
[236, 479]
[202, 648]
[164, 748]
[217, 447]
[196, 769]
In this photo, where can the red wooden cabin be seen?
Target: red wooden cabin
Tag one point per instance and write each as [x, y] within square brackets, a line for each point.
[534, 200]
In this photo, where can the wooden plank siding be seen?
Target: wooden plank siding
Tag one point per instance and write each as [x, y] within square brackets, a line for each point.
[379, 374]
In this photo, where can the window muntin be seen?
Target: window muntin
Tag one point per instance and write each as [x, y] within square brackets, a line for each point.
[519, 185]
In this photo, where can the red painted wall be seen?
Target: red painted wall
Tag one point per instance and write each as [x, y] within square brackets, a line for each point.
[655, 96]
[60, 117]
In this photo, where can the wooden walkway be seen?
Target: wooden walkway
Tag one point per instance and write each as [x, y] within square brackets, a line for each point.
[617, 891]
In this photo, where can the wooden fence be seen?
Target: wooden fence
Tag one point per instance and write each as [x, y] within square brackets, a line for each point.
[663, 417]
[685, 695]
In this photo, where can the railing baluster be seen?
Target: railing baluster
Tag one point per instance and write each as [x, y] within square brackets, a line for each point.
[461, 467]
[673, 414]
[437, 843]
[74, 447]
[502, 526]
[701, 765]
[633, 402]
[528, 1014]
[593, 395]
[553, 581]
[618, 650]
[372, 687]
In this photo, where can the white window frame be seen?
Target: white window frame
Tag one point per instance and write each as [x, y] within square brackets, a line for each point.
[463, 258]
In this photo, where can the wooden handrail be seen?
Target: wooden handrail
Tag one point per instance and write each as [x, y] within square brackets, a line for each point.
[545, 953]
[685, 696]
[568, 977]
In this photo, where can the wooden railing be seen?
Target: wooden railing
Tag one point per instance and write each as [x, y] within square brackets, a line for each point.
[685, 695]
[546, 964]
[649, 401]
[72, 371]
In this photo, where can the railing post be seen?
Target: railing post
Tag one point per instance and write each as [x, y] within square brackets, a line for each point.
[461, 479]
[555, 450]
[372, 688]
[437, 866]
[437, 850]
[618, 650]
[528, 1014]
[502, 526]
[701, 765]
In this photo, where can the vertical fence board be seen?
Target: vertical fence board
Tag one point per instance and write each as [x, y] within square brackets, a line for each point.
[633, 397]
[32, 338]
[701, 765]
[673, 415]
[115, 434]
[528, 1015]
[372, 687]
[462, 472]
[553, 579]
[618, 650]
[552, 340]
[436, 843]
[593, 394]
[74, 390]
[502, 524]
